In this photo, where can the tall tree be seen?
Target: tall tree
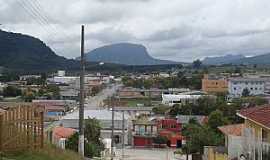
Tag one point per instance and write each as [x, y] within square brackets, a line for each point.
[197, 64]
[245, 92]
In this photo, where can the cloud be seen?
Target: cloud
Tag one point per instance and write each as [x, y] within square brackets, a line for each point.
[176, 30]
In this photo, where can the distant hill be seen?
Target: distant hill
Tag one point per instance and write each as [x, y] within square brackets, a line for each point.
[124, 53]
[263, 59]
[227, 59]
[23, 52]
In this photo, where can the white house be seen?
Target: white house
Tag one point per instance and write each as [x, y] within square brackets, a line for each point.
[105, 119]
[236, 86]
[172, 99]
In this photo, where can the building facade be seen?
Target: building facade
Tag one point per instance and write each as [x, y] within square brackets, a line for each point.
[214, 84]
[236, 86]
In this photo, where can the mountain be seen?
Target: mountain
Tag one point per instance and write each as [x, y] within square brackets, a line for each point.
[124, 53]
[23, 52]
[263, 59]
[227, 59]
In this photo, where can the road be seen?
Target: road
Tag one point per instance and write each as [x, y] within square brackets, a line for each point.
[96, 101]
[148, 154]
[91, 103]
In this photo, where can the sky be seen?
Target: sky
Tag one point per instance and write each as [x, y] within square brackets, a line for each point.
[179, 30]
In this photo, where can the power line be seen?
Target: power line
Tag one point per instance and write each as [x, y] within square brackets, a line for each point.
[31, 12]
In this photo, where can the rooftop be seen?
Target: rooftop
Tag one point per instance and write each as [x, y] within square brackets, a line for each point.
[234, 129]
[259, 114]
[242, 79]
[98, 114]
[62, 132]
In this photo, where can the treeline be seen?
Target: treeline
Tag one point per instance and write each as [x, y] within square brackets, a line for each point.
[193, 82]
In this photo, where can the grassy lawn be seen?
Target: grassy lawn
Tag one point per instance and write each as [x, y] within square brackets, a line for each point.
[134, 102]
[49, 152]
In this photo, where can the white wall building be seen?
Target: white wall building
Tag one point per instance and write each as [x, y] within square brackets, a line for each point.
[172, 99]
[236, 86]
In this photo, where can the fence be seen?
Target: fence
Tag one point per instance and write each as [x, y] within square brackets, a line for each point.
[21, 128]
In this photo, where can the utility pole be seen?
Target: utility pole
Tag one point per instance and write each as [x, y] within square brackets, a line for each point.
[81, 109]
[112, 133]
[123, 133]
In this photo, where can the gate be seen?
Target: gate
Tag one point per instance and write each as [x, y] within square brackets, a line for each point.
[21, 128]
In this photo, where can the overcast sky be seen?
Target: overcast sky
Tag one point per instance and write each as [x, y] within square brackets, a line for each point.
[180, 30]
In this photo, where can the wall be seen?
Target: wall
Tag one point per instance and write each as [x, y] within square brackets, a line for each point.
[214, 85]
[211, 154]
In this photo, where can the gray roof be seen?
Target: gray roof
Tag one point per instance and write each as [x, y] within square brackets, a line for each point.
[184, 119]
[97, 114]
[241, 79]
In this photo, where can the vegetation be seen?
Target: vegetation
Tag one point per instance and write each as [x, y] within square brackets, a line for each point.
[49, 152]
[179, 81]
[199, 136]
[160, 140]
[162, 109]
[92, 145]
[11, 91]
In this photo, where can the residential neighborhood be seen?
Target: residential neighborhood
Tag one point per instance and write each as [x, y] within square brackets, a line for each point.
[134, 80]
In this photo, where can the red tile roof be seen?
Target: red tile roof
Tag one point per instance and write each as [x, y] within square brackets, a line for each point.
[234, 129]
[259, 114]
[62, 132]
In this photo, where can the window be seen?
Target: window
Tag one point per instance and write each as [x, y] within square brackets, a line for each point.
[173, 126]
[116, 139]
[264, 135]
[251, 88]
[234, 88]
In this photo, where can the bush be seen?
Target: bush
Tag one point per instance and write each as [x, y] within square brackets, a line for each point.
[160, 140]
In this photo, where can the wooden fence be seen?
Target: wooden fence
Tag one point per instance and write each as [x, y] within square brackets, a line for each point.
[21, 128]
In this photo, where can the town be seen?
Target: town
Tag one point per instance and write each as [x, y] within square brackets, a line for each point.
[164, 115]
[134, 80]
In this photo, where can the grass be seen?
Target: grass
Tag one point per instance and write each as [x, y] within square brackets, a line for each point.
[49, 152]
[134, 102]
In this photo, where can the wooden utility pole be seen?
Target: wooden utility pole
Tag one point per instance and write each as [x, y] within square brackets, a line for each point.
[123, 133]
[112, 133]
[81, 109]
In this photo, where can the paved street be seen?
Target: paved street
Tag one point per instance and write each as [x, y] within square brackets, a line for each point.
[148, 154]
[91, 103]
[96, 101]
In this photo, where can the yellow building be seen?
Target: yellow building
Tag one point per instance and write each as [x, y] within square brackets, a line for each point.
[214, 84]
[257, 120]
[256, 136]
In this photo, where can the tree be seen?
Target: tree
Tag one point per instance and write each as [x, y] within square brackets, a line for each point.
[198, 136]
[197, 64]
[160, 109]
[216, 118]
[245, 92]
[11, 91]
[92, 145]
[160, 140]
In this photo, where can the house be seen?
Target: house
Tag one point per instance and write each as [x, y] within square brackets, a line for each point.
[214, 84]
[143, 133]
[61, 134]
[251, 139]
[257, 121]
[233, 139]
[236, 86]
[105, 118]
[54, 109]
[172, 99]
[171, 129]
[184, 119]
